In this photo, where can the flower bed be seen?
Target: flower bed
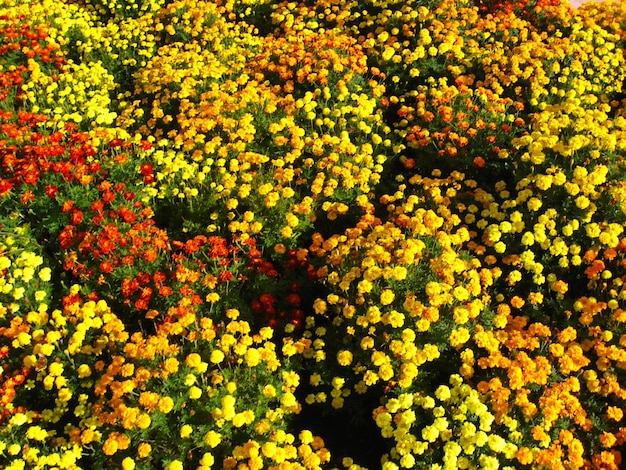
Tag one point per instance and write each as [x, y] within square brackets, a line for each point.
[312, 235]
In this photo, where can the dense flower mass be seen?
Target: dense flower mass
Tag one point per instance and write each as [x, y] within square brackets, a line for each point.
[242, 234]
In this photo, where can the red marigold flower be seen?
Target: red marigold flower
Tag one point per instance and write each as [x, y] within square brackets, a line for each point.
[51, 191]
[76, 216]
[67, 206]
[146, 169]
[293, 299]
[5, 187]
[225, 276]
[27, 196]
[106, 267]
[267, 299]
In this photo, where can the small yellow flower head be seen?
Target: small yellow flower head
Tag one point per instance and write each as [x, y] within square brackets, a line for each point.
[306, 437]
[387, 297]
[253, 357]
[193, 360]
[36, 433]
[144, 449]
[207, 460]
[185, 431]
[165, 404]
[175, 465]
[344, 358]
[212, 439]
[443, 393]
[45, 274]
[217, 356]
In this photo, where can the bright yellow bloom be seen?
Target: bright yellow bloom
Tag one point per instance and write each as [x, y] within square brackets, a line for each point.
[175, 465]
[387, 297]
[165, 404]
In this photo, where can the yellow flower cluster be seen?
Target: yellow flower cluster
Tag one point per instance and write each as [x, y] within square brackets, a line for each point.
[236, 141]
[23, 279]
[80, 93]
[392, 286]
[462, 433]
[203, 394]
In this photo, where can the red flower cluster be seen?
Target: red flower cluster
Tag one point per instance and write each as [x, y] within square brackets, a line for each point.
[285, 304]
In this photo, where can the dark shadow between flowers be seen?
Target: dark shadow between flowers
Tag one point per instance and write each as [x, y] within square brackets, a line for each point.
[347, 432]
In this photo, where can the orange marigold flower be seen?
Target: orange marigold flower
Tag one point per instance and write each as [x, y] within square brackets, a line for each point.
[607, 440]
[524, 456]
[144, 449]
[517, 302]
[165, 404]
[614, 413]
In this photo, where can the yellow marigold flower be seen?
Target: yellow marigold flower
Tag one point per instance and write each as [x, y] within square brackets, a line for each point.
[45, 274]
[319, 306]
[443, 393]
[83, 371]
[175, 465]
[430, 433]
[128, 463]
[144, 421]
[207, 460]
[269, 449]
[567, 335]
[55, 369]
[344, 358]
[165, 404]
[387, 297]
[65, 394]
[607, 440]
[534, 204]
[144, 449]
[232, 204]
[253, 358]
[216, 356]
[228, 407]
[459, 336]
[193, 360]
[364, 286]
[496, 443]
[171, 365]
[269, 391]
[212, 439]
[110, 446]
[36, 433]
[288, 401]
[394, 318]
[385, 372]
[185, 431]
[5, 263]
[367, 343]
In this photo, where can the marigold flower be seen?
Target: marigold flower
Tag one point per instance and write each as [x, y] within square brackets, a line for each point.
[614, 413]
[344, 358]
[175, 465]
[110, 446]
[216, 356]
[165, 404]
